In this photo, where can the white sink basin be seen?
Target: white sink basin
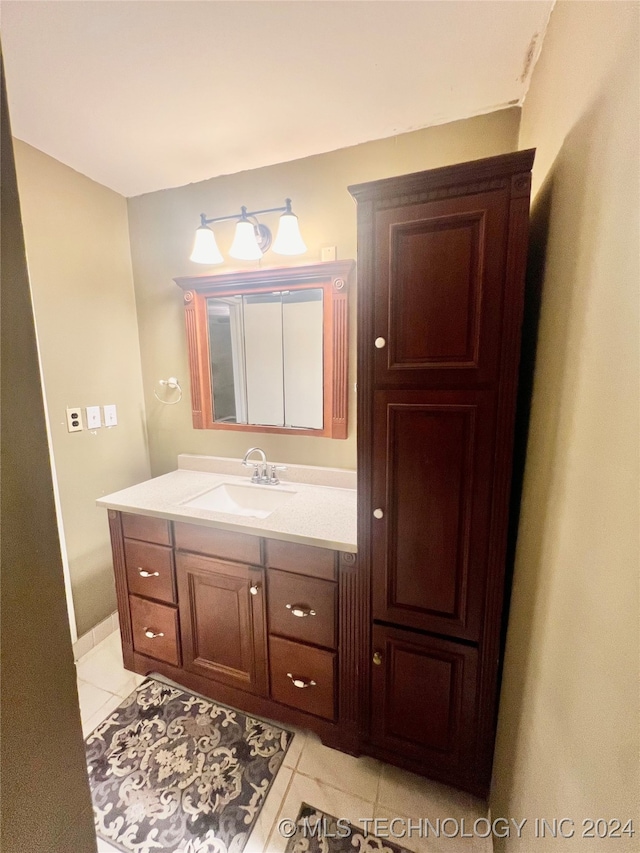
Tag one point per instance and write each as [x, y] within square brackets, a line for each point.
[253, 501]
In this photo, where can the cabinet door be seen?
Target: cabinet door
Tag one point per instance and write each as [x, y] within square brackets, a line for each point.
[423, 700]
[439, 279]
[222, 621]
[432, 481]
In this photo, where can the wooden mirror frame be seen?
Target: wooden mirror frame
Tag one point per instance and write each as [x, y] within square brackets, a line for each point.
[332, 277]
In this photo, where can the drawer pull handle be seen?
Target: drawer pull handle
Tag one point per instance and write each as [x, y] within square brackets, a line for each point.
[377, 658]
[254, 589]
[301, 682]
[380, 343]
[145, 574]
[378, 513]
[299, 610]
[152, 634]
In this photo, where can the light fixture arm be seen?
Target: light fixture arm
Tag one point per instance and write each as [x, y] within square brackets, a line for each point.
[245, 214]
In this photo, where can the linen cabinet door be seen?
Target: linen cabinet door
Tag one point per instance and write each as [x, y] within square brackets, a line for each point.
[423, 702]
[438, 285]
[431, 508]
[222, 621]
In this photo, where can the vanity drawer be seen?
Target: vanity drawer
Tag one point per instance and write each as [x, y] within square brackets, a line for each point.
[146, 528]
[302, 608]
[150, 570]
[313, 669]
[218, 543]
[158, 619]
[301, 559]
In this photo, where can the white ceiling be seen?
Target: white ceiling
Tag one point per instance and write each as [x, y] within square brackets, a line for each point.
[142, 95]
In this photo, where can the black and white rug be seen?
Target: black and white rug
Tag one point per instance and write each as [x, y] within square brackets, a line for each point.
[171, 772]
[319, 832]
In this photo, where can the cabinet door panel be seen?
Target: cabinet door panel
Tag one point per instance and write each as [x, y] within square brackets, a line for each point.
[222, 623]
[438, 290]
[423, 698]
[432, 478]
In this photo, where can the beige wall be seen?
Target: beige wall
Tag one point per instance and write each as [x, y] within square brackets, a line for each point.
[568, 724]
[162, 226]
[77, 243]
[46, 807]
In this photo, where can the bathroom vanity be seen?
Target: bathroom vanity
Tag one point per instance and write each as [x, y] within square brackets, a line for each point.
[252, 611]
[395, 652]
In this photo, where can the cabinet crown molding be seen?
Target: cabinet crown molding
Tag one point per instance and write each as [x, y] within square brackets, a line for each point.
[449, 180]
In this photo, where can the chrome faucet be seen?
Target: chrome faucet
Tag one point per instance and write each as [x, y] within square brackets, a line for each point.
[263, 473]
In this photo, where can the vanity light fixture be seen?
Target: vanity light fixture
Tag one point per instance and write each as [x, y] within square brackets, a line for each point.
[252, 238]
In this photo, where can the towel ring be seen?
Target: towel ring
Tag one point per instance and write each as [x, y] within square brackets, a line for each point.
[172, 383]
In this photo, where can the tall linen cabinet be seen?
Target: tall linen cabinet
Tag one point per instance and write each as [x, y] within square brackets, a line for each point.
[441, 262]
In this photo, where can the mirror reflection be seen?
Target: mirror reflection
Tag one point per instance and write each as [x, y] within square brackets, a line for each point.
[266, 358]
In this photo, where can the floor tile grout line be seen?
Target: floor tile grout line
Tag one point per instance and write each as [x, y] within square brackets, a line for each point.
[304, 746]
[375, 803]
[279, 812]
[335, 787]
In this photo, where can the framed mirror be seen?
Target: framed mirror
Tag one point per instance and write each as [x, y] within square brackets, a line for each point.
[268, 349]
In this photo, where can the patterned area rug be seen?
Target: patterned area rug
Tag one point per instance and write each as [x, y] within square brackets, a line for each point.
[171, 772]
[319, 832]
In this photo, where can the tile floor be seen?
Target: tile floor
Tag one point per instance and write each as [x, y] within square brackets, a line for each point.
[339, 784]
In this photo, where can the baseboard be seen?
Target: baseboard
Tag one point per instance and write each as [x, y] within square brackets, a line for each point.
[96, 635]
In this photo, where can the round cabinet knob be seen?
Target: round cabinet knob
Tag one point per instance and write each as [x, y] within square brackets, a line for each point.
[380, 343]
[378, 513]
[254, 589]
[377, 658]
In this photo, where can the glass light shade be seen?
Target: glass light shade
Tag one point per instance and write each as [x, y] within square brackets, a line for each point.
[205, 248]
[244, 246]
[288, 239]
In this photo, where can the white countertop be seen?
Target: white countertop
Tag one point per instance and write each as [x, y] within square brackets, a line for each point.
[318, 515]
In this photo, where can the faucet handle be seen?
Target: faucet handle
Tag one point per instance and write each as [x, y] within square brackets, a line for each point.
[255, 477]
[273, 479]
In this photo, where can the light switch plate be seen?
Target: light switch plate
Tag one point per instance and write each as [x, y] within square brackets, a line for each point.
[93, 417]
[110, 416]
[74, 419]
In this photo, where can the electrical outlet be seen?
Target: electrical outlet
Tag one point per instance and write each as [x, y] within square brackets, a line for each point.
[93, 417]
[74, 419]
[328, 253]
[110, 416]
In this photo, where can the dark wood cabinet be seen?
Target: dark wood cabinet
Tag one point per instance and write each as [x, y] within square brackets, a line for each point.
[260, 624]
[423, 706]
[441, 258]
[432, 480]
[222, 618]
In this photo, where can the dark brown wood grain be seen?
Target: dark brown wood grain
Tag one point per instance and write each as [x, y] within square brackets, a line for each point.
[441, 258]
[150, 570]
[315, 668]
[222, 622]
[434, 486]
[120, 577]
[147, 528]
[218, 543]
[423, 698]
[301, 559]
[290, 596]
[159, 619]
